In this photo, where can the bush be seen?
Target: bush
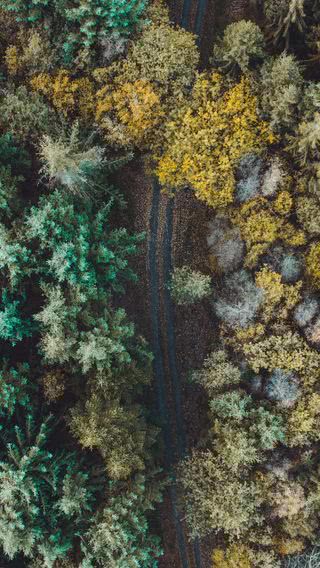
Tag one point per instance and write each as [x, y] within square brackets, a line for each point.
[306, 143]
[68, 162]
[225, 244]
[273, 178]
[290, 267]
[70, 97]
[288, 352]
[129, 115]
[308, 213]
[240, 300]
[310, 559]
[217, 373]
[119, 536]
[281, 91]
[165, 57]
[118, 433]
[204, 145]
[241, 47]
[189, 286]
[282, 387]
[216, 499]
[249, 176]
[236, 555]
[283, 16]
[26, 115]
[313, 264]
[305, 312]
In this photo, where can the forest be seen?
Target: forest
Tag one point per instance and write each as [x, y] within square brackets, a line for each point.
[160, 284]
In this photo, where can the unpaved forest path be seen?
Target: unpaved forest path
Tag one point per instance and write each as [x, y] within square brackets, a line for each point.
[180, 337]
[167, 377]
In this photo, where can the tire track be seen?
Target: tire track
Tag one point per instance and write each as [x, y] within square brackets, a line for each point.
[186, 13]
[159, 372]
[201, 10]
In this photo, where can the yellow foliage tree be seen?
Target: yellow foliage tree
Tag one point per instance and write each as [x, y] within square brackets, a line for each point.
[286, 546]
[304, 421]
[313, 264]
[279, 298]
[260, 226]
[12, 60]
[69, 96]
[205, 142]
[236, 556]
[129, 115]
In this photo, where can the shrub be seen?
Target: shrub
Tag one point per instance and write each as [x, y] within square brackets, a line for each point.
[309, 559]
[26, 115]
[283, 203]
[71, 97]
[282, 387]
[45, 496]
[236, 446]
[306, 144]
[283, 16]
[313, 264]
[216, 499]
[165, 57]
[240, 300]
[260, 227]
[53, 385]
[158, 12]
[287, 500]
[290, 267]
[285, 261]
[313, 332]
[241, 47]
[288, 352]
[119, 536]
[68, 162]
[304, 421]
[249, 175]
[130, 114]
[281, 91]
[276, 294]
[230, 406]
[237, 555]
[205, 144]
[308, 213]
[217, 373]
[189, 286]
[305, 311]
[118, 433]
[31, 54]
[273, 178]
[225, 244]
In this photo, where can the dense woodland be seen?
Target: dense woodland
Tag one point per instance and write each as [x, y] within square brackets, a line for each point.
[86, 90]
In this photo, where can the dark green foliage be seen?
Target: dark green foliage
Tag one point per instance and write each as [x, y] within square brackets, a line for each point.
[77, 245]
[45, 497]
[119, 537]
[14, 325]
[15, 389]
[79, 26]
